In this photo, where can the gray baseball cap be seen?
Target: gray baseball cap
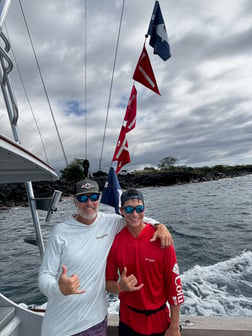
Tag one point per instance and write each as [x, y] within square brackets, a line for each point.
[86, 187]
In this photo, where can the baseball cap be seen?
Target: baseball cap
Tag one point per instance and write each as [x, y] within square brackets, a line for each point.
[86, 187]
[131, 194]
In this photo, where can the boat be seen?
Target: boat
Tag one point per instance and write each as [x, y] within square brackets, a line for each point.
[202, 326]
[18, 165]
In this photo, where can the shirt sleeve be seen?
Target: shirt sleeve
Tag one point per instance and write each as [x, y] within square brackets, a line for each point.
[151, 221]
[174, 287]
[50, 268]
[112, 267]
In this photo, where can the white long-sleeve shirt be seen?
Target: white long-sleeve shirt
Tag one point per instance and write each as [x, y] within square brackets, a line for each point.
[83, 249]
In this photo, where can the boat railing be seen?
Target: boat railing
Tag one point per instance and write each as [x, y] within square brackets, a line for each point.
[7, 91]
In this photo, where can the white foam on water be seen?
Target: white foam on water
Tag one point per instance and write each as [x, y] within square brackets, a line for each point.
[223, 289]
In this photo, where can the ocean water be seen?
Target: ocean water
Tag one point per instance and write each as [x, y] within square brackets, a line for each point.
[211, 224]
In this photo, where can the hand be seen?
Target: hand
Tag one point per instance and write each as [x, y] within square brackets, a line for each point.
[128, 283]
[172, 331]
[163, 234]
[69, 285]
[174, 328]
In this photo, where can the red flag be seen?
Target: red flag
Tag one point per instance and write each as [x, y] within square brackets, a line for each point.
[144, 73]
[130, 115]
[121, 154]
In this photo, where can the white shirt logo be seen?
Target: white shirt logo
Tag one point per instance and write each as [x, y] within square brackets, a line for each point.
[175, 269]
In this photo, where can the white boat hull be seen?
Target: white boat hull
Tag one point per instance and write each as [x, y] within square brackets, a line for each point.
[19, 165]
[22, 322]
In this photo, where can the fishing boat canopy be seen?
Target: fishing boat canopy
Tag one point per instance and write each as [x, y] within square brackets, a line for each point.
[19, 165]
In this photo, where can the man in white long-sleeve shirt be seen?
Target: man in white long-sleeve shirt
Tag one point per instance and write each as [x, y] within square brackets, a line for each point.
[72, 274]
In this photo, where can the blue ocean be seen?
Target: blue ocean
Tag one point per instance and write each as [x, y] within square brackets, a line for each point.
[211, 224]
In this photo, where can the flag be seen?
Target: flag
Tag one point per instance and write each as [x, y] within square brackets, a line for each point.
[112, 191]
[144, 73]
[121, 154]
[158, 34]
[130, 115]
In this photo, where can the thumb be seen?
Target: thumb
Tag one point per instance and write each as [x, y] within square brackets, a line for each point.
[64, 271]
[124, 272]
[154, 237]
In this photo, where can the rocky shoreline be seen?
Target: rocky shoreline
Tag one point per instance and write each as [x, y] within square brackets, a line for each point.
[15, 195]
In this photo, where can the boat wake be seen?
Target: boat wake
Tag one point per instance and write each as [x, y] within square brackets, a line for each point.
[222, 289]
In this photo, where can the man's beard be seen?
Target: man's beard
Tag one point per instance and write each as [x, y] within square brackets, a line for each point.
[88, 216]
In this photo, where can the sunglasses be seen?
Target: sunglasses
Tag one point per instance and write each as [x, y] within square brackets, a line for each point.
[130, 209]
[84, 198]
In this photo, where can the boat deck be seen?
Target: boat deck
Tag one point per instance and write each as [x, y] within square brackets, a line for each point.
[202, 326]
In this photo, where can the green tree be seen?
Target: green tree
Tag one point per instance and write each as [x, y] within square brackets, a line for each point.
[74, 171]
[167, 162]
[149, 168]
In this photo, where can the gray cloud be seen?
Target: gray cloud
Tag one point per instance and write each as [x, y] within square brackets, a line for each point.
[203, 116]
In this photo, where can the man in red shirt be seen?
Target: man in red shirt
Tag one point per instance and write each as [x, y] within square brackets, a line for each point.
[149, 275]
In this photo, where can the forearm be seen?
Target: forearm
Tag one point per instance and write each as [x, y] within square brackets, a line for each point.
[173, 329]
[48, 285]
[175, 310]
[163, 234]
[49, 269]
[113, 287]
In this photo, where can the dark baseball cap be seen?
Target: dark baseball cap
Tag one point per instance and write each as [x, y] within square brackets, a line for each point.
[86, 187]
[131, 194]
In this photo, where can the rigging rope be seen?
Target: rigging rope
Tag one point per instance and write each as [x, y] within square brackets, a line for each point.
[111, 85]
[85, 79]
[43, 83]
[27, 97]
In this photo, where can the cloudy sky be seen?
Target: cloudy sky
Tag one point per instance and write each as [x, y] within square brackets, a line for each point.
[203, 116]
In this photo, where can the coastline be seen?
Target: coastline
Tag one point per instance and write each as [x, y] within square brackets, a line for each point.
[14, 194]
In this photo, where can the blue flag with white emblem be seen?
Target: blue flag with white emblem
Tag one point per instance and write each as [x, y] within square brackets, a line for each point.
[112, 191]
[158, 34]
